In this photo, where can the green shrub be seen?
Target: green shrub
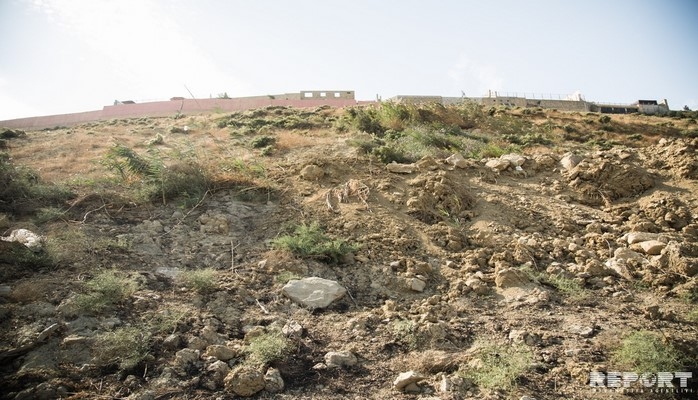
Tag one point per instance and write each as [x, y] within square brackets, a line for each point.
[310, 241]
[605, 119]
[405, 332]
[106, 290]
[125, 347]
[269, 347]
[646, 352]
[199, 280]
[263, 141]
[497, 366]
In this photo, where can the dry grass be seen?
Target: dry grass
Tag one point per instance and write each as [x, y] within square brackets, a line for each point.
[289, 140]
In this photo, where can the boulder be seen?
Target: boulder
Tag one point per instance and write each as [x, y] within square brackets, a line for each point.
[273, 382]
[427, 163]
[651, 247]
[221, 352]
[313, 292]
[510, 277]
[498, 164]
[637, 237]
[570, 160]
[407, 378]
[416, 284]
[457, 160]
[26, 237]
[516, 160]
[245, 381]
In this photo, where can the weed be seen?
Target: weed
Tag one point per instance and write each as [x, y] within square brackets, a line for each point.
[285, 276]
[263, 141]
[605, 119]
[405, 332]
[199, 280]
[692, 315]
[168, 320]
[125, 347]
[645, 352]
[105, 291]
[497, 366]
[311, 241]
[268, 347]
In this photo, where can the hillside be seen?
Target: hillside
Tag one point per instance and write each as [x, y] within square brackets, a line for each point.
[494, 253]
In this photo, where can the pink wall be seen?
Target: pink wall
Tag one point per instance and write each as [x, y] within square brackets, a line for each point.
[170, 108]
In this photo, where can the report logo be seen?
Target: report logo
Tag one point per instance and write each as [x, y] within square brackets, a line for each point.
[648, 382]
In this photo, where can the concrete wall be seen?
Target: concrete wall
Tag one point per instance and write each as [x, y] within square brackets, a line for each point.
[171, 108]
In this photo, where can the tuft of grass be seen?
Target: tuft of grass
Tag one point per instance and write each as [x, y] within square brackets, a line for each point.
[497, 366]
[405, 332]
[285, 276]
[125, 347]
[646, 352]
[200, 280]
[106, 290]
[310, 241]
[269, 347]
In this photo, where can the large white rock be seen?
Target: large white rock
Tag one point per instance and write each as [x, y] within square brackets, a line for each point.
[457, 160]
[26, 237]
[401, 168]
[314, 292]
[407, 378]
[570, 160]
[498, 164]
[516, 160]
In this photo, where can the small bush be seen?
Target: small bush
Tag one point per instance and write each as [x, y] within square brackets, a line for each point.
[199, 280]
[497, 366]
[263, 141]
[125, 347]
[269, 347]
[645, 352]
[310, 241]
[105, 291]
[604, 119]
[405, 332]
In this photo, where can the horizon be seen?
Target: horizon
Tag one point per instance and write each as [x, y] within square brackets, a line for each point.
[68, 56]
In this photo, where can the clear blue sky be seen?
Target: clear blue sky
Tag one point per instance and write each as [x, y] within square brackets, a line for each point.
[60, 56]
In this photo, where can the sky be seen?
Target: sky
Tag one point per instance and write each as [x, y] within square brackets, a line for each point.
[63, 56]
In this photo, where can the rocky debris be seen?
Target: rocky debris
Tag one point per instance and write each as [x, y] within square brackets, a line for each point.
[427, 163]
[340, 359]
[26, 237]
[292, 330]
[435, 197]
[681, 258]
[216, 373]
[407, 382]
[401, 168]
[186, 357]
[516, 160]
[314, 292]
[312, 172]
[600, 181]
[416, 284]
[245, 381]
[582, 330]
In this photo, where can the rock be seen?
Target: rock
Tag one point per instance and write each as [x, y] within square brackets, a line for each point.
[427, 163]
[313, 292]
[218, 370]
[457, 160]
[340, 359]
[186, 357]
[407, 378]
[401, 168]
[172, 342]
[570, 160]
[651, 247]
[498, 164]
[244, 381]
[221, 352]
[637, 237]
[312, 172]
[416, 284]
[26, 237]
[516, 160]
[477, 285]
[273, 382]
[522, 336]
[292, 329]
[583, 331]
[510, 277]
[5, 290]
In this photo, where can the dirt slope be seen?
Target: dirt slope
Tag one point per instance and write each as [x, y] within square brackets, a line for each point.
[556, 256]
